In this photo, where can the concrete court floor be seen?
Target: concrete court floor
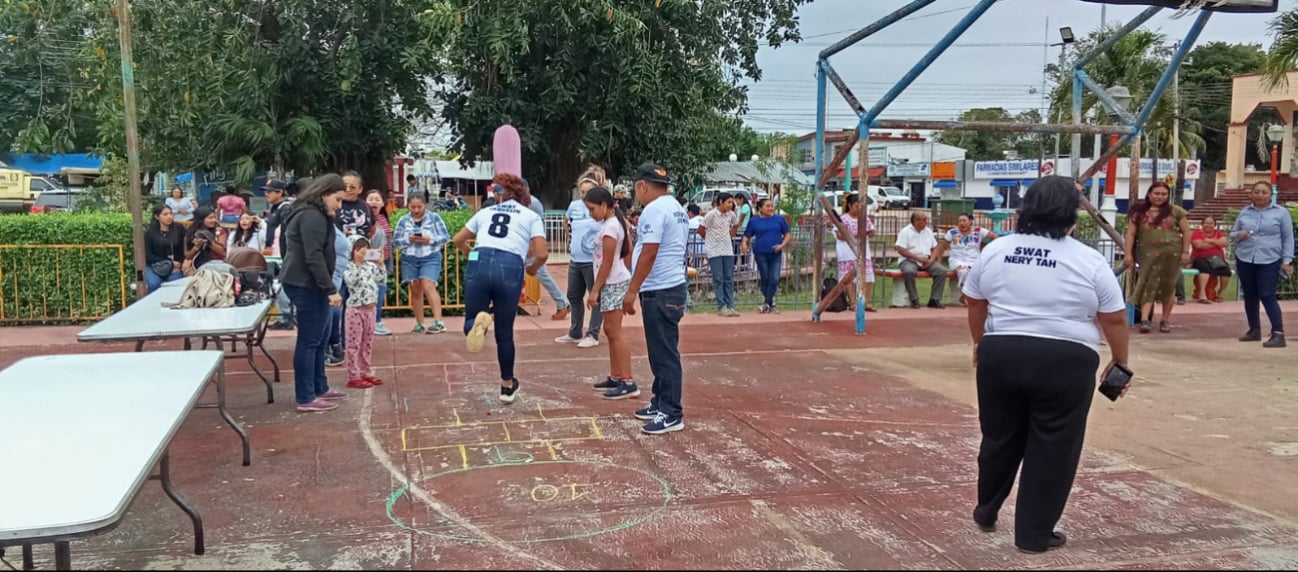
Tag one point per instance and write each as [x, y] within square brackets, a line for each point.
[807, 447]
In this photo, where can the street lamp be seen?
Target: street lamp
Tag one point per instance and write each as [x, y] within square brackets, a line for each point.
[1121, 96]
[1275, 134]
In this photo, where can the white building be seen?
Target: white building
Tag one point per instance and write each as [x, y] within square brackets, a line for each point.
[983, 179]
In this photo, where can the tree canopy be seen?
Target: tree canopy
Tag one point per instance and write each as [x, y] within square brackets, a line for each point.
[988, 146]
[612, 82]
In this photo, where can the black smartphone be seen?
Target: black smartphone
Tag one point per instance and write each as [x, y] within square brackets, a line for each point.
[1113, 383]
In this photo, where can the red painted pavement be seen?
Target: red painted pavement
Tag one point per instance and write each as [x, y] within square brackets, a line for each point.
[791, 459]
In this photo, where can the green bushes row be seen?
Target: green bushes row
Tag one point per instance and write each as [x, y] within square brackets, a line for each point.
[42, 282]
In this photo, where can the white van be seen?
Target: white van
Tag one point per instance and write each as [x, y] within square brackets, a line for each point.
[890, 197]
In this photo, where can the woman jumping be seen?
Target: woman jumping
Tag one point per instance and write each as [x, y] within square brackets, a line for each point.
[503, 234]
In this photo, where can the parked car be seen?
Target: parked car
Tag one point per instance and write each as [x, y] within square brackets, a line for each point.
[19, 190]
[836, 199]
[890, 197]
[704, 197]
[55, 200]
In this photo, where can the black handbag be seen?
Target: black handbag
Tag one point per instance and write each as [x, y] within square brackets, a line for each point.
[1218, 264]
[162, 268]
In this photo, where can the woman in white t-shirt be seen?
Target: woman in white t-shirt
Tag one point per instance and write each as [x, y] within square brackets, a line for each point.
[181, 207]
[847, 258]
[965, 243]
[506, 235]
[1034, 299]
[612, 279]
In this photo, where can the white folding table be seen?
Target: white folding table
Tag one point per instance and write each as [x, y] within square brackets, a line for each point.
[150, 319]
[83, 434]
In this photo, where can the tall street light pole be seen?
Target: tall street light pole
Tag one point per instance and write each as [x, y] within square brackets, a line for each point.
[132, 145]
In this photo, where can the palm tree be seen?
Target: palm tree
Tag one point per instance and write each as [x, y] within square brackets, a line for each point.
[1283, 55]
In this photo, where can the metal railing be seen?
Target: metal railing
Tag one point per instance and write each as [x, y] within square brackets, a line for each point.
[61, 283]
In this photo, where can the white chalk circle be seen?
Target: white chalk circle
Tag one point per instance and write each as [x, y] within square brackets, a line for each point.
[547, 495]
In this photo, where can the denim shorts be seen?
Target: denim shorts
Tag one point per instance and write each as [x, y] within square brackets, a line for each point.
[611, 296]
[421, 267]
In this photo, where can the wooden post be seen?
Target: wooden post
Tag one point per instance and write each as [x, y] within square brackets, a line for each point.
[862, 246]
[1134, 178]
[132, 145]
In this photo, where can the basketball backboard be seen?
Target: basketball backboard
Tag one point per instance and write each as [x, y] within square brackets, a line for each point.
[1246, 6]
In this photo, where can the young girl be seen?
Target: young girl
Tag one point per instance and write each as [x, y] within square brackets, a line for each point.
[247, 235]
[380, 252]
[612, 278]
[362, 278]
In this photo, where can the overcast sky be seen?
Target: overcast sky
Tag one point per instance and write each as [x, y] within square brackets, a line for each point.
[1000, 63]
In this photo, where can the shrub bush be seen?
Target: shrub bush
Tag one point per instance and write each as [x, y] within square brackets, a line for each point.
[60, 285]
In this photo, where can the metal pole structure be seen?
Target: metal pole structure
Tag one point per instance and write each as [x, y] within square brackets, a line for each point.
[132, 146]
[817, 233]
[861, 237]
[874, 28]
[1178, 196]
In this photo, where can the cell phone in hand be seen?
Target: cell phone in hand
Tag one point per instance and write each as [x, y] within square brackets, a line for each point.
[1118, 378]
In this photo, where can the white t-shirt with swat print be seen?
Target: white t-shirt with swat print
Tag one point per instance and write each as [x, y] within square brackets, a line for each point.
[508, 226]
[1045, 288]
[663, 222]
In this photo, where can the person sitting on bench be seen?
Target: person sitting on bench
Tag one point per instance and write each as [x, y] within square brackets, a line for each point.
[916, 243]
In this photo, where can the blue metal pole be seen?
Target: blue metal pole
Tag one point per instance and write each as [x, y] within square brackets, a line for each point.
[818, 252]
[874, 28]
[1190, 38]
[1103, 95]
[928, 59]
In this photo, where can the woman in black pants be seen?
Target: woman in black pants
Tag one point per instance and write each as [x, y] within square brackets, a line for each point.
[307, 276]
[1034, 299]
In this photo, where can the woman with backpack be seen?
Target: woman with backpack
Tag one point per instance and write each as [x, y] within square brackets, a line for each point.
[307, 276]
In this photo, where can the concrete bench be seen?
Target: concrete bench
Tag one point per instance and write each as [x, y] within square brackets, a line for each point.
[900, 299]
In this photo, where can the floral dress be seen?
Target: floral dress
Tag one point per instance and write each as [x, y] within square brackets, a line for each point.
[1158, 250]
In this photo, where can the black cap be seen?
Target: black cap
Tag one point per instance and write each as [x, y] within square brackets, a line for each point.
[273, 185]
[652, 173]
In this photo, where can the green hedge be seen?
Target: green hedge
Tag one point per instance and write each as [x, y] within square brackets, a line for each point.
[55, 285]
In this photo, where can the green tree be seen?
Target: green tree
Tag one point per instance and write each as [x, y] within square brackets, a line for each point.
[991, 146]
[613, 82]
[230, 85]
[1206, 78]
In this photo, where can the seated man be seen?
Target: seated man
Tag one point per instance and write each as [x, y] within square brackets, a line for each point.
[916, 243]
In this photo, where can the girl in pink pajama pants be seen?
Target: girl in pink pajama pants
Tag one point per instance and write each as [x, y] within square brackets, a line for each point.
[363, 278]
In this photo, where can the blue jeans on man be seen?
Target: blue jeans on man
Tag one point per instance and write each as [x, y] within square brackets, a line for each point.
[723, 280]
[313, 325]
[662, 312]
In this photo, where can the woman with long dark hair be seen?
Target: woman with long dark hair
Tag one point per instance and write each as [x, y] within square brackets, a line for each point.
[1264, 249]
[1158, 239]
[853, 211]
[164, 248]
[248, 234]
[612, 280]
[1034, 298]
[307, 277]
[381, 246]
[505, 235]
[205, 240]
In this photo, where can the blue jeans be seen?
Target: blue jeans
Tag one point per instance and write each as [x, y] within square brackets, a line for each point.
[723, 280]
[153, 281]
[494, 278]
[768, 268]
[1258, 283]
[552, 287]
[662, 312]
[313, 324]
[378, 305]
[337, 333]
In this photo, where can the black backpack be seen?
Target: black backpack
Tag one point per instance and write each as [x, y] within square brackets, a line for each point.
[838, 304]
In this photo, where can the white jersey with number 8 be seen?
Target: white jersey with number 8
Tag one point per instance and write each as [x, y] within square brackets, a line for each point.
[508, 226]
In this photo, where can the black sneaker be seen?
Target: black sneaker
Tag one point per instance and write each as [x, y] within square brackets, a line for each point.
[1057, 539]
[624, 390]
[1276, 341]
[607, 384]
[914, 304]
[663, 424]
[1251, 336]
[508, 395]
[335, 361]
[282, 325]
[936, 304]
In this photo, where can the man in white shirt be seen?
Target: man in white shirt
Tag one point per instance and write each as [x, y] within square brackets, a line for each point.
[658, 280]
[916, 243]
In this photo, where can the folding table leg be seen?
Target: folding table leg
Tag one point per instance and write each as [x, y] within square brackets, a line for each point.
[164, 475]
[270, 391]
[139, 346]
[29, 563]
[261, 343]
[225, 414]
[62, 556]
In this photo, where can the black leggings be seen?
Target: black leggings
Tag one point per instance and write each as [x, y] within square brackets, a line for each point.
[1033, 398]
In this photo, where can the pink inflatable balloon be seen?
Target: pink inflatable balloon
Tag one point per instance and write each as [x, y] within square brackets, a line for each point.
[507, 151]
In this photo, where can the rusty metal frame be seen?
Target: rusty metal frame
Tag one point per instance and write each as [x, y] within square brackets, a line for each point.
[869, 118]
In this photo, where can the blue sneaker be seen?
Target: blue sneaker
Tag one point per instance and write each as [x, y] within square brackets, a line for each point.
[663, 424]
[646, 414]
[624, 390]
[607, 384]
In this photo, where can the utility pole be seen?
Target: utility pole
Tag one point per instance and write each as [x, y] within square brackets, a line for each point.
[132, 146]
[1177, 196]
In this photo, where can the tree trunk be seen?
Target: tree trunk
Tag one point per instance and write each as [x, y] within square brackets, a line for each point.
[561, 172]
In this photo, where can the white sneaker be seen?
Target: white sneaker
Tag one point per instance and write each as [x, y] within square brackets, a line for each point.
[588, 342]
[565, 340]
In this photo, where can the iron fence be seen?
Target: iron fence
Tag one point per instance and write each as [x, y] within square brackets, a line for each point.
[61, 283]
